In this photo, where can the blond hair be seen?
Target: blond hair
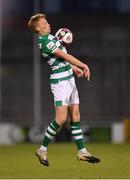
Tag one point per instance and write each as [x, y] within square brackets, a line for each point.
[33, 21]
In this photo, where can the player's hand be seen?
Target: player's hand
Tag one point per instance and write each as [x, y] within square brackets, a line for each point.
[79, 72]
[86, 72]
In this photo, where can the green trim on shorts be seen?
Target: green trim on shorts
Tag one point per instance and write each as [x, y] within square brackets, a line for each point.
[55, 81]
[58, 103]
[61, 69]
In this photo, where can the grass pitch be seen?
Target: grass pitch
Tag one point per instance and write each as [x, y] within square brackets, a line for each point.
[18, 161]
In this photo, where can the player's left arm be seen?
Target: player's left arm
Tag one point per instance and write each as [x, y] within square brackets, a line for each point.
[74, 61]
[78, 71]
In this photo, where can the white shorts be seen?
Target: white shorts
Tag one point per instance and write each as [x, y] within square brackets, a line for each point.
[65, 92]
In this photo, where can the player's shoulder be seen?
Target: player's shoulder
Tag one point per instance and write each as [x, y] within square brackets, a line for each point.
[47, 37]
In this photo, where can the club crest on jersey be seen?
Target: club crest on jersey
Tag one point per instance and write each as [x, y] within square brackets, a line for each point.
[51, 45]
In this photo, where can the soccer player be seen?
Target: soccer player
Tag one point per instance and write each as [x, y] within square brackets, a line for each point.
[63, 88]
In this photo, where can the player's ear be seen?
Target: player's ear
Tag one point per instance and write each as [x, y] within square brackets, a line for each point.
[37, 29]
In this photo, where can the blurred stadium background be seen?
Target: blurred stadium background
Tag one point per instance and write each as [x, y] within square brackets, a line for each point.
[101, 38]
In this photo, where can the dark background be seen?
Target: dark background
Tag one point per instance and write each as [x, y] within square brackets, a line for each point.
[101, 39]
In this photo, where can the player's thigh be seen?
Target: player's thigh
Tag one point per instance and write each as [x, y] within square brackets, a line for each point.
[61, 114]
[74, 112]
[74, 98]
[62, 92]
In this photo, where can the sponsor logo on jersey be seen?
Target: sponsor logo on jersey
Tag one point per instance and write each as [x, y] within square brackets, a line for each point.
[51, 45]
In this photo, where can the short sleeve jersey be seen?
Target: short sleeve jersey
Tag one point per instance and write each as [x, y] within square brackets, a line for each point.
[60, 69]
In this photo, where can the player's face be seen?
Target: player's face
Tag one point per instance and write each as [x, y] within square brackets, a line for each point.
[44, 27]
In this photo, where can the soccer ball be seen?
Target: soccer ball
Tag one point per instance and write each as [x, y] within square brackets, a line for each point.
[65, 36]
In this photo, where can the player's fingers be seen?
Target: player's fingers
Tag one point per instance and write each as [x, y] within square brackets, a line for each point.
[80, 74]
[87, 74]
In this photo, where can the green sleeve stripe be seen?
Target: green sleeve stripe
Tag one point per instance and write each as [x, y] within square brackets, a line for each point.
[61, 69]
[55, 81]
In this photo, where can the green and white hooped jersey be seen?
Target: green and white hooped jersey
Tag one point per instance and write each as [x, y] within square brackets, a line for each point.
[60, 69]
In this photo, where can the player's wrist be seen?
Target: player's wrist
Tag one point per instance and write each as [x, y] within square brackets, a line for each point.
[85, 66]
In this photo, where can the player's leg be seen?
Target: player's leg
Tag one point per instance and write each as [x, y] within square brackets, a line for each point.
[60, 118]
[59, 91]
[76, 130]
[75, 119]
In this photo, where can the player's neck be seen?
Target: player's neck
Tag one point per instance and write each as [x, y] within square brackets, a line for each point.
[42, 34]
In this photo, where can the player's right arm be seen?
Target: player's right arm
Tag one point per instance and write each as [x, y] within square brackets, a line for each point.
[74, 61]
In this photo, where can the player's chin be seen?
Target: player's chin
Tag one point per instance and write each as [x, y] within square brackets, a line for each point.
[49, 30]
